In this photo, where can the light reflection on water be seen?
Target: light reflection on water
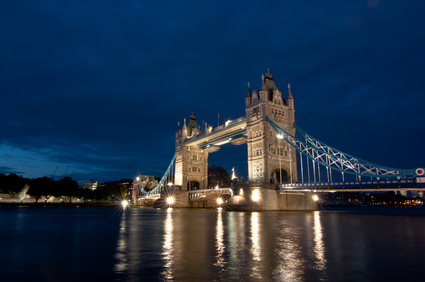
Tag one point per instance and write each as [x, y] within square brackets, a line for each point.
[255, 246]
[214, 245]
[167, 247]
[220, 247]
[121, 248]
[319, 247]
[290, 263]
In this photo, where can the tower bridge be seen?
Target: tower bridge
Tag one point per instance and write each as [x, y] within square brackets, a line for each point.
[277, 150]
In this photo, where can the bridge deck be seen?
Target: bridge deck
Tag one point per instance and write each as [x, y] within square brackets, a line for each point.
[221, 135]
[357, 186]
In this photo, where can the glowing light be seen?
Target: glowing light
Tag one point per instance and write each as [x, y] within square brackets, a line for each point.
[137, 178]
[170, 200]
[315, 198]
[124, 203]
[169, 184]
[219, 201]
[216, 187]
[279, 136]
[227, 123]
[255, 195]
[233, 174]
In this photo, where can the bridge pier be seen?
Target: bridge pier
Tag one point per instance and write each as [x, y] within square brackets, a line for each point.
[246, 197]
[265, 197]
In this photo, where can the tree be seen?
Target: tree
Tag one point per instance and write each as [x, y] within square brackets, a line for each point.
[14, 184]
[3, 178]
[68, 187]
[116, 189]
[42, 186]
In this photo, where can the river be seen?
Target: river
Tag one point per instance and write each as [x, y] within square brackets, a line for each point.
[146, 244]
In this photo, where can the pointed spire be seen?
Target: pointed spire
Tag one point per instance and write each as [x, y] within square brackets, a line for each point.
[268, 75]
[263, 84]
[289, 92]
[178, 126]
[249, 94]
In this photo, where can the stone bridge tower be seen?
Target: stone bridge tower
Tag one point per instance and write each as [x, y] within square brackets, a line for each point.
[191, 165]
[270, 159]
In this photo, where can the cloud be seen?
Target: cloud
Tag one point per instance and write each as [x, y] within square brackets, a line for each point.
[100, 86]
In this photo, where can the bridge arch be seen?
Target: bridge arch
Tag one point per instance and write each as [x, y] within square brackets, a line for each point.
[275, 177]
[193, 185]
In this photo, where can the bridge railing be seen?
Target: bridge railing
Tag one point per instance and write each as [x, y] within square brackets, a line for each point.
[322, 155]
[232, 122]
[403, 183]
[216, 129]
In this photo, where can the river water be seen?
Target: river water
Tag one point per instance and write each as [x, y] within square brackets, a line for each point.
[146, 244]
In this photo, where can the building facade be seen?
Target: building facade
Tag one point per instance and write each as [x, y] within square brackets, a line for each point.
[191, 167]
[270, 159]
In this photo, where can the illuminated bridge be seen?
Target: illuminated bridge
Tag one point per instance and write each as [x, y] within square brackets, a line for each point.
[284, 161]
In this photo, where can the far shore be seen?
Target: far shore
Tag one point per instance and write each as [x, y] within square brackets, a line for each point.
[63, 204]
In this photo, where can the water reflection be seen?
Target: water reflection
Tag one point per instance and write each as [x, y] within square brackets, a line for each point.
[290, 262]
[121, 249]
[167, 247]
[319, 247]
[255, 246]
[219, 238]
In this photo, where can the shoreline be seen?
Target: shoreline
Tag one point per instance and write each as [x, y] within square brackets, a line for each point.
[63, 204]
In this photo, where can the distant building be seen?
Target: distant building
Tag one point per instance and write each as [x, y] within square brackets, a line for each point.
[92, 185]
[218, 176]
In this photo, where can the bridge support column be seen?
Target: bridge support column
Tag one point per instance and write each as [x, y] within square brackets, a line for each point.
[264, 197]
[296, 201]
[179, 199]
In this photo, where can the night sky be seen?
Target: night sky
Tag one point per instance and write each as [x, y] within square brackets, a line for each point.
[94, 89]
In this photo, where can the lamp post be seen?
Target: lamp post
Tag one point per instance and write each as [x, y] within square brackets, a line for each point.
[280, 136]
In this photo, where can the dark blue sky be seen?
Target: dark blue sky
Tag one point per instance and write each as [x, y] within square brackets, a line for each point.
[96, 88]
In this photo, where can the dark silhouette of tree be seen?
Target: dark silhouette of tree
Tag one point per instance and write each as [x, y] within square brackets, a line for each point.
[68, 187]
[85, 194]
[42, 186]
[13, 184]
[116, 189]
[110, 190]
[3, 183]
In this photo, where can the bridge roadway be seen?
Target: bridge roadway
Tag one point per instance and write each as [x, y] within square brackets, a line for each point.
[357, 186]
[233, 131]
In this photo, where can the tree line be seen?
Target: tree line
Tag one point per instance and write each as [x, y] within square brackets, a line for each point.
[46, 187]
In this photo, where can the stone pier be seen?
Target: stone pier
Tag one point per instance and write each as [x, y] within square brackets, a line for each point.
[265, 197]
[246, 197]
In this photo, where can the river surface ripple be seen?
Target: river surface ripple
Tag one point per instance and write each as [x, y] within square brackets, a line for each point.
[146, 244]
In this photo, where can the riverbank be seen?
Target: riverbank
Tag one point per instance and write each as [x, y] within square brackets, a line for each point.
[63, 204]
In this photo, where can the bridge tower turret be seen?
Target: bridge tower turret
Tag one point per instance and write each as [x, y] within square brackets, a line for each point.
[270, 159]
[191, 165]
